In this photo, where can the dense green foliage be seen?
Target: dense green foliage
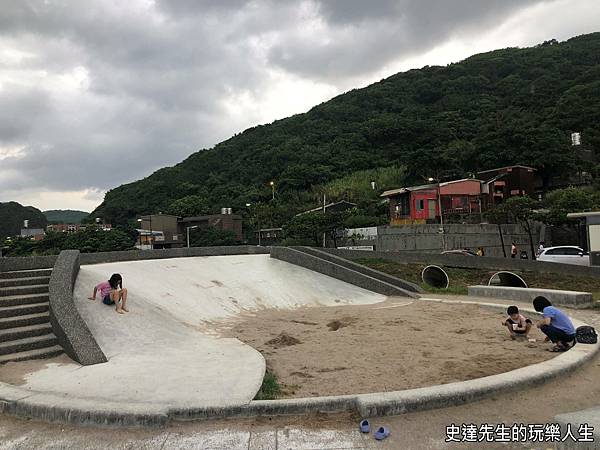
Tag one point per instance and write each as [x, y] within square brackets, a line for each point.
[510, 106]
[563, 201]
[308, 229]
[208, 236]
[65, 216]
[88, 241]
[12, 215]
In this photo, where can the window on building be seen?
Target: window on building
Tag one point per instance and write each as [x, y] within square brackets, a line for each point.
[420, 205]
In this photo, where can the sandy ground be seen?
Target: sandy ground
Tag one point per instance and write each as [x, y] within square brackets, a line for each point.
[16, 372]
[421, 430]
[389, 346]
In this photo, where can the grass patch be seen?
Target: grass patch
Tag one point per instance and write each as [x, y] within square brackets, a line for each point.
[270, 389]
[461, 279]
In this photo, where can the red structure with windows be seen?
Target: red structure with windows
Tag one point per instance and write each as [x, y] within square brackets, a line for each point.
[420, 204]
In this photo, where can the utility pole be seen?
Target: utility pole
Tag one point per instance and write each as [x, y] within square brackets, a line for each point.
[439, 198]
[324, 212]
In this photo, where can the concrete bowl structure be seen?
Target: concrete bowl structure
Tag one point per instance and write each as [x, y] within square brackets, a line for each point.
[166, 363]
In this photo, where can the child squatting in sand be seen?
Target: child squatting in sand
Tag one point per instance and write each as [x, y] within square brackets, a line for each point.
[112, 292]
[517, 324]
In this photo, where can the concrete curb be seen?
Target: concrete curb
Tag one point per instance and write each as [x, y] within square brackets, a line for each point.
[339, 272]
[402, 284]
[574, 299]
[72, 332]
[21, 402]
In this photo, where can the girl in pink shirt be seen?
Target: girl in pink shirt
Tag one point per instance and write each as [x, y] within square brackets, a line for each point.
[112, 292]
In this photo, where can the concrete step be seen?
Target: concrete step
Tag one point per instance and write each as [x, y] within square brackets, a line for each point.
[23, 310]
[9, 282]
[22, 290]
[11, 334]
[27, 299]
[40, 353]
[26, 273]
[24, 320]
[28, 343]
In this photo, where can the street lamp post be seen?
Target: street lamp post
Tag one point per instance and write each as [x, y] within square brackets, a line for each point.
[141, 228]
[188, 233]
[151, 234]
[272, 183]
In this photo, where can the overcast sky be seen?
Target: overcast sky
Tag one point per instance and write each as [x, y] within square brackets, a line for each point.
[97, 93]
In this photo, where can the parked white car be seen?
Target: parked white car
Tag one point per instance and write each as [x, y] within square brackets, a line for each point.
[565, 254]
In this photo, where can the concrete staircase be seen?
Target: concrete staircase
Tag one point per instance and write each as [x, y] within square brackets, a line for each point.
[25, 330]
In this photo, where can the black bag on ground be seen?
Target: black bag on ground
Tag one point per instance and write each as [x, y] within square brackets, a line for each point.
[586, 335]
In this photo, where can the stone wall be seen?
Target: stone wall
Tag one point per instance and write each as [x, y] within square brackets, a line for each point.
[428, 239]
[339, 272]
[27, 263]
[71, 330]
[47, 262]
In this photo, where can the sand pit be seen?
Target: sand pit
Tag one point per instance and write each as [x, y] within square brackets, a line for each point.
[388, 346]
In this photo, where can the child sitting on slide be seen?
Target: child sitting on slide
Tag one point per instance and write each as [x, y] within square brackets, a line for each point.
[517, 324]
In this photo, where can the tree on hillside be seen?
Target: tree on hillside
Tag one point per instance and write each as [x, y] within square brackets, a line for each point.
[188, 206]
[510, 106]
[312, 227]
[90, 240]
[208, 236]
[520, 210]
[561, 202]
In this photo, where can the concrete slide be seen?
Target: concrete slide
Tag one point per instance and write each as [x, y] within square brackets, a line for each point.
[166, 350]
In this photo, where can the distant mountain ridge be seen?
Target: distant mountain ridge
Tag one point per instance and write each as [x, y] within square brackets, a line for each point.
[12, 215]
[65, 215]
[509, 106]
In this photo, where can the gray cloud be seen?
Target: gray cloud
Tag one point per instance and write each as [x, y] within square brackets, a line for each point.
[97, 94]
[362, 35]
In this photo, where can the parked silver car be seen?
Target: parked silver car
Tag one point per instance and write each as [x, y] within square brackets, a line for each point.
[565, 254]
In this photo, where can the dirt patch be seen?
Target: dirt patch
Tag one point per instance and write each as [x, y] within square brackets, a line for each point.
[283, 340]
[16, 372]
[377, 349]
[304, 322]
[335, 325]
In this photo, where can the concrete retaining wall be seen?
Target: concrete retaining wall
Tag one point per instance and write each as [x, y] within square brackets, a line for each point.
[403, 284]
[427, 238]
[47, 262]
[71, 330]
[137, 255]
[337, 271]
[471, 262]
[557, 297]
[27, 263]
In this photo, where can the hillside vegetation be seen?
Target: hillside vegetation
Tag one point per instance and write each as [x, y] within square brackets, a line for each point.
[510, 106]
[12, 215]
[65, 216]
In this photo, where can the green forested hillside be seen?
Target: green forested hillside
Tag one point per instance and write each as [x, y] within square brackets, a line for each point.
[510, 106]
[12, 215]
[65, 216]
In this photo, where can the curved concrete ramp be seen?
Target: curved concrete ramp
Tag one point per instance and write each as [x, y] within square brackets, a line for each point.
[164, 351]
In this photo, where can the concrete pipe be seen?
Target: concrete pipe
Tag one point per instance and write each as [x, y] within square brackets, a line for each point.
[436, 277]
[508, 279]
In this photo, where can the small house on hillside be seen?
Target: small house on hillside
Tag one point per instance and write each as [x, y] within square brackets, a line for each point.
[505, 182]
[420, 204]
[168, 231]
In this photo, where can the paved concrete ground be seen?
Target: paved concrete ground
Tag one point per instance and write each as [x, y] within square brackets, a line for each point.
[162, 351]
